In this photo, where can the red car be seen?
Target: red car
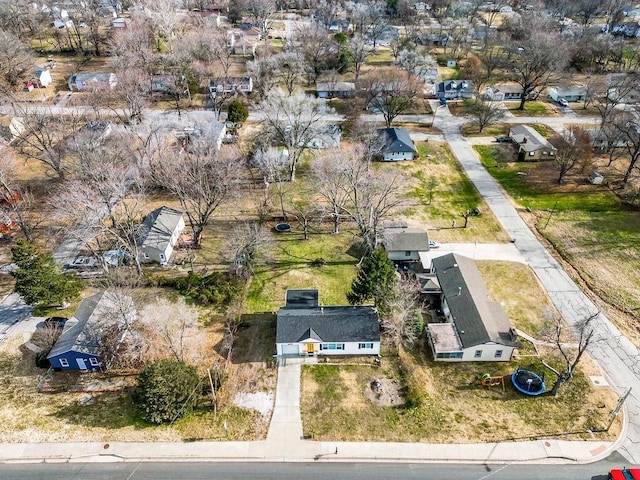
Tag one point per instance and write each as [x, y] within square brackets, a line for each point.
[625, 474]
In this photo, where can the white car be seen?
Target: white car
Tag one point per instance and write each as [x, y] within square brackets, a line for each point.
[433, 244]
[83, 262]
[563, 102]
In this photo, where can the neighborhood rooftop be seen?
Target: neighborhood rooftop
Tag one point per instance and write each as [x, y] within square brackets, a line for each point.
[528, 138]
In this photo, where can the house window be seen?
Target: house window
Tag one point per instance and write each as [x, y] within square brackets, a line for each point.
[64, 362]
[544, 153]
[551, 153]
[365, 346]
[498, 354]
[146, 255]
[332, 346]
[531, 154]
[407, 253]
[449, 355]
[94, 362]
[478, 354]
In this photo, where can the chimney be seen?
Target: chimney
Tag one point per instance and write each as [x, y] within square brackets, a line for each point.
[459, 290]
[524, 139]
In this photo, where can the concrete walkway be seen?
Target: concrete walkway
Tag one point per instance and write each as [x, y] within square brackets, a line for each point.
[615, 354]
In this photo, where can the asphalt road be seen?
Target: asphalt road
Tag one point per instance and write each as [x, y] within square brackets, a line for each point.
[304, 471]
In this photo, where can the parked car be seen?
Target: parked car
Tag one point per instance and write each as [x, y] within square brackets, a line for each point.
[563, 102]
[83, 262]
[624, 474]
[433, 244]
[503, 139]
[55, 322]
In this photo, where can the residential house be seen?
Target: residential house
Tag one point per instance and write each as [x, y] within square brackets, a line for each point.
[78, 347]
[162, 83]
[476, 329]
[329, 136]
[119, 23]
[92, 82]
[570, 94]
[454, 89]
[253, 34]
[531, 145]
[338, 26]
[627, 29]
[231, 85]
[304, 328]
[11, 128]
[42, 77]
[500, 93]
[239, 44]
[212, 18]
[159, 234]
[335, 89]
[396, 144]
[404, 244]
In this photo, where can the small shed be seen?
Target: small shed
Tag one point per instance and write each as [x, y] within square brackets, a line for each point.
[596, 179]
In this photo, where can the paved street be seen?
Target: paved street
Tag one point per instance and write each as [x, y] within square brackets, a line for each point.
[12, 310]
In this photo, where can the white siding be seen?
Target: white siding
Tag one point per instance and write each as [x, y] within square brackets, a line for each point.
[395, 156]
[350, 348]
[488, 353]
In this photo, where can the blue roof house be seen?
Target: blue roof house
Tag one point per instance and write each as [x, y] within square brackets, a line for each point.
[79, 344]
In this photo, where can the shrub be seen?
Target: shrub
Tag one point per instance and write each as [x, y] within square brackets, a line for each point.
[167, 390]
[217, 288]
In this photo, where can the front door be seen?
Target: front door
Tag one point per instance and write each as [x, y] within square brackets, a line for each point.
[310, 348]
[81, 363]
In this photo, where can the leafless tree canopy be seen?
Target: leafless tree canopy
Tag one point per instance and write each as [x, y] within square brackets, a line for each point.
[389, 91]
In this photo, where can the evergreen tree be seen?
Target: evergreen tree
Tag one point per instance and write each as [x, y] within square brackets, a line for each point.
[39, 280]
[375, 280]
[238, 112]
[167, 390]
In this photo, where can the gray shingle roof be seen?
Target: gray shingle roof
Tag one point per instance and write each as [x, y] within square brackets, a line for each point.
[82, 331]
[397, 140]
[328, 324]
[534, 141]
[405, 239]
[157, 228]
[477, 318]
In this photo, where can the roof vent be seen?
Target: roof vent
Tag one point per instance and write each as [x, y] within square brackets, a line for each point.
[459, 290]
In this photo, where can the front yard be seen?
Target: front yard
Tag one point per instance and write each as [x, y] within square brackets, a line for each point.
[423, 401]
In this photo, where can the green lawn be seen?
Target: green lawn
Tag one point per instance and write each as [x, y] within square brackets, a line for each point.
[290, 265]
[510, 176]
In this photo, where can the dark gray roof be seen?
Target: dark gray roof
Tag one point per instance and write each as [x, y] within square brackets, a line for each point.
[405, 239]
[455, 86]
[302, 298]
[477, 318]
[328, 324]
[397, 140]
[157, 228]
[529, 139]
[82, 331]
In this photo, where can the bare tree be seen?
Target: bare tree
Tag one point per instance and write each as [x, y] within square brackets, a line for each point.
[16, 201]
[484, 112]
[402, 324]
[389, 91]
[132, 47]
[244, 244]
[317, 49]
[585, 332]
[536, 59]
[164, 15]
[201, 177]
[265, 72]
[132, 91]
[16, 62]
[573, 147]
[627, 127]
[292, 121]
[360, 52]
[176, 327]
[290, 66]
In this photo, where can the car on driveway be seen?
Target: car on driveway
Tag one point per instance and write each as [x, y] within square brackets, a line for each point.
[83, 263]
[55, 322]
[624, 474]
[433, 244]
[503, 139]
[563, 102]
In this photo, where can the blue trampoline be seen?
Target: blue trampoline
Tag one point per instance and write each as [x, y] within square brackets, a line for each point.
[527, 382]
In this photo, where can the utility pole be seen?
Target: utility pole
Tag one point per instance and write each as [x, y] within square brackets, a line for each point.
[616, 410]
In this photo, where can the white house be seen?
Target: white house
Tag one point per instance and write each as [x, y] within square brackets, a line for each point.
[404, 244]
[396, 144]
[476, 328]
[42, 77]
[304, 328]
[159, 234]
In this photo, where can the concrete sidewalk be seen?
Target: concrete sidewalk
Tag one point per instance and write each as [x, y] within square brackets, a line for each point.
[284, 443]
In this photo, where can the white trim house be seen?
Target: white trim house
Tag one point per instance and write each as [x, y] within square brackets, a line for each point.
[304, 328]
[405, 244]
[476, 328]
[396, 144]
[159, 234]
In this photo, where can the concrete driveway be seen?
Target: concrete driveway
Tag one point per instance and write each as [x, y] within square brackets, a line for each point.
[12, 310]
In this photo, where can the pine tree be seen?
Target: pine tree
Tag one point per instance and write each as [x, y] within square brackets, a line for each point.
[375, 280]
[238, 112]
[39, 280]
[167, 390]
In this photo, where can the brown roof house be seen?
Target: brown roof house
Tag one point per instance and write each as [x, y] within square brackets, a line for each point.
[531, 145]
[476, 329]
